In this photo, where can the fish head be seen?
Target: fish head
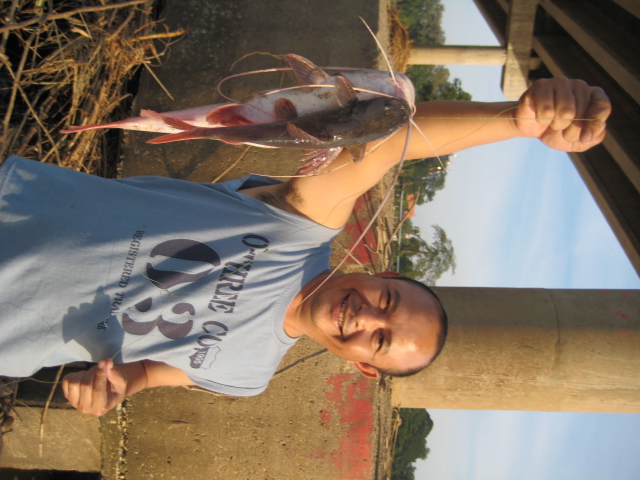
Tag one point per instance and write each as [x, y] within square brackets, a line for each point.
[383, 114]
[370, 83]
[405, 88]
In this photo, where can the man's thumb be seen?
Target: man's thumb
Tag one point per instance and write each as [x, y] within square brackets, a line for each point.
[117, 380]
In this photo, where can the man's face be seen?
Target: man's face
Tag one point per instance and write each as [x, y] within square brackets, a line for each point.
[371, 321]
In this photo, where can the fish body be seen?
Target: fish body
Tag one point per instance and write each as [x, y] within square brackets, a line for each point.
[316, 92]
[356, 123]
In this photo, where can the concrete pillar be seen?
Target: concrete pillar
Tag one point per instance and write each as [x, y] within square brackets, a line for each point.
[533, 349]
[457, 55]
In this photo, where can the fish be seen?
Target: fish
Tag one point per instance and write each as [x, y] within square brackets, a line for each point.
[351, 125]
[315, 92]
[295, 117]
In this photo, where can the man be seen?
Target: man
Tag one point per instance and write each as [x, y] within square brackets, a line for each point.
[377, 323]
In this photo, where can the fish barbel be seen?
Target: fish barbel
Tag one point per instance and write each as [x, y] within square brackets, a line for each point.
[317, 95]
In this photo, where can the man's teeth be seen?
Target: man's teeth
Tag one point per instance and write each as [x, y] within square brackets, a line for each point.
[341, 316]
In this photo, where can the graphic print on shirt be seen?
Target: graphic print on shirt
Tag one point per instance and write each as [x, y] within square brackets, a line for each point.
[180, 298]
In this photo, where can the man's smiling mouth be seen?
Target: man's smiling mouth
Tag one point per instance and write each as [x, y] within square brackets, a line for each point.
[343, 307]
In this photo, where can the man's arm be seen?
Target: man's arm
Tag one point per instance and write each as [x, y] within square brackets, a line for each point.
[105, 385]
[564, 114]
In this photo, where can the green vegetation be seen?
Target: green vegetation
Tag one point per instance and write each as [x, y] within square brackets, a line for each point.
[422, 19]
[425, 261]
[421, 179]
[411, 443]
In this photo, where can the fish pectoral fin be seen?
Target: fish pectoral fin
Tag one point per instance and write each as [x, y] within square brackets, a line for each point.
[319, 161]
[172, 122]
[357, 152]
[228, 116]
[345, 92]
[306, 72]
[298, 134]
[284, 109]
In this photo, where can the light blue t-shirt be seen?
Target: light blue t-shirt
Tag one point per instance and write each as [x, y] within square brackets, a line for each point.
[198, 276]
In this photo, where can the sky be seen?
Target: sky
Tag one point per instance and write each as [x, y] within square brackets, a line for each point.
[520, 216]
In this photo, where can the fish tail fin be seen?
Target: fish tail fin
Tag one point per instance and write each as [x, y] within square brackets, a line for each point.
[76, 129]
[84, 128]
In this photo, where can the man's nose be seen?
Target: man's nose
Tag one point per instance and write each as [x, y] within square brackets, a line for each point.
[371, 319]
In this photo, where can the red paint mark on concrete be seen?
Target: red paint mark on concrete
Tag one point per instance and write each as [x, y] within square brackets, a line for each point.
[362, 213]
[351, 397]
[619, 313]
[325, 418]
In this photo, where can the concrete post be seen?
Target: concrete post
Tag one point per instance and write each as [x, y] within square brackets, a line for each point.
[533, 349]
[457, 55]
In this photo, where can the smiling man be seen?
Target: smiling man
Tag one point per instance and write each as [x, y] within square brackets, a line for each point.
[377, 323]
[184, 283]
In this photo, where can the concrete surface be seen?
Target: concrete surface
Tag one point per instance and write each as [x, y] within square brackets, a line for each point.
[71, 441]
[316, 421]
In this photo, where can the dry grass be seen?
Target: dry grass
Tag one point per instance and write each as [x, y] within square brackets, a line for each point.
[67, 63]
[400, 43]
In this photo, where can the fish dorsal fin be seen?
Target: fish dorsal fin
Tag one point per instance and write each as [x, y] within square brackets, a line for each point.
[172, 122]
[345, 92]
[284, 109]
[357, 152]
[299, 134]
[307, 72]
[228, 116]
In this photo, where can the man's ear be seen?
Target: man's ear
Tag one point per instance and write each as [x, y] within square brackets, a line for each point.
[387, 274]
[366, 369]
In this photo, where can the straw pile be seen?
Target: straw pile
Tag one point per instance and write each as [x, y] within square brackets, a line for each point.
[67, 63]
[400, 44]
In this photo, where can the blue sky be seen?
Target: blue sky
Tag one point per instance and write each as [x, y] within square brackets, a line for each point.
[520, 216]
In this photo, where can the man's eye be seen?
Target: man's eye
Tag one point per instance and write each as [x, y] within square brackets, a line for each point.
[380, 341]
[388, 300]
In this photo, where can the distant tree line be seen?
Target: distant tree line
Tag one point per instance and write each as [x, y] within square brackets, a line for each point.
[423, 178]
[411, 442]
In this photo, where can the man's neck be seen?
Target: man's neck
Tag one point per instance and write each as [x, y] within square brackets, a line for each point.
[293, 322]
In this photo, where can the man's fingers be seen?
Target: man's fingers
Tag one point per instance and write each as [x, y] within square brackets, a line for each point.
[117, 385]
[564, 108]
[71, 388]
[598, 111]
[99, 397]
[540, 101]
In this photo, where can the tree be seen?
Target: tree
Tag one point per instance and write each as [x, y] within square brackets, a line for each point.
[424, 178]
[411, 442]
[422, 19]
[423, 261]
